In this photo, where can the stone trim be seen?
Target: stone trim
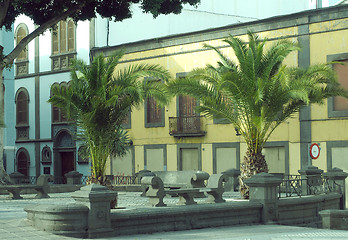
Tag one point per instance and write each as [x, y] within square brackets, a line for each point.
[269, 24]
[305, 111]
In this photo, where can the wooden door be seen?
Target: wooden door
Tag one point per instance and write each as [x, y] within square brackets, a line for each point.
[187, 115]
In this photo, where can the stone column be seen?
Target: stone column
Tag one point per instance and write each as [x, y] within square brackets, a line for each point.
[263, 189]
[335, 177]
[311, 176]
[73, 177]
[97, 198]
[232, 184]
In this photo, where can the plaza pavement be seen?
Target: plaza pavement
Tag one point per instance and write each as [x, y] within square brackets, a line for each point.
[13, 223]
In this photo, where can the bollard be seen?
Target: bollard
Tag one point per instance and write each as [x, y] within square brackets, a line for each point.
[73, 177]
[336, 177]
[311, 176]
[97, 198]
[263, 189]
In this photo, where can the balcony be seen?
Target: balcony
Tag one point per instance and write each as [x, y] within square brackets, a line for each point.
[186, 126]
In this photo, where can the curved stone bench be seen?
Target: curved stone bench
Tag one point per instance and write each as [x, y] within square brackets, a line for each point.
[68, 220]
[41, 187]
[182, 179]
[156, 190]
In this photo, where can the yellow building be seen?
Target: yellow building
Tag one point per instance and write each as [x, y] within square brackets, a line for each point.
[176, 138]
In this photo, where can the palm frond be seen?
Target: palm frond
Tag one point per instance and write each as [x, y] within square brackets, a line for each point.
[258, 92]
[99, 98]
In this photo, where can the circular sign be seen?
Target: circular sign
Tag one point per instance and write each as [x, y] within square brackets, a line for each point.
[314, 150]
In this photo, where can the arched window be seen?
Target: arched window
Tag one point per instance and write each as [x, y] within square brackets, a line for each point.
[58, 115]
[63, 44]
[22, 59]
[22, 114]
[71, 36]
[23, 161]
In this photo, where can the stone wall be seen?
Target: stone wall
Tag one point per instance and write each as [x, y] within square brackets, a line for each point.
[264, 206]
[149, 220]
[304, 211]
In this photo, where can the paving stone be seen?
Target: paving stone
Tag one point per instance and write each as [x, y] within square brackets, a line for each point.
[14, 226]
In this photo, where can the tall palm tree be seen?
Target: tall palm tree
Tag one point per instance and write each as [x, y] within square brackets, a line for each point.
[256, 92]
[100, 97]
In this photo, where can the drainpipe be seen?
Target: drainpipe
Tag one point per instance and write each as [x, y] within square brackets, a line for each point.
[107, 32]
[319, 3]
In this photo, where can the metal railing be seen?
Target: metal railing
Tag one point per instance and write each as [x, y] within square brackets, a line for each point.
[117, 180]
[297, 186]
[186, 126]
[123, 180]
[291, 186]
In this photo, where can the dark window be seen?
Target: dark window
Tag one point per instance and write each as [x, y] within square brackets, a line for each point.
[187, 105]
[63, 37]
[21, 33]
[22, 59]
[58, 114]
[341, 103]
[189, 120]
[63, 44]
[22, 114]
[22, 108]
[154, 113]
[338, 106]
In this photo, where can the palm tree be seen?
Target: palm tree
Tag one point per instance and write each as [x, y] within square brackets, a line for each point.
[256, 92]
[100, 97]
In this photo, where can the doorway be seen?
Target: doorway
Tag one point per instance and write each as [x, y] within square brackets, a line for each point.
[67, 162]
[64, 155]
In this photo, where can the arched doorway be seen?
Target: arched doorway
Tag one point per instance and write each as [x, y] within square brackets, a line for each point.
[64, 155]
[23, 161]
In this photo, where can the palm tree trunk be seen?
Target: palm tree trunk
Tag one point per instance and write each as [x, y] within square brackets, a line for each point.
[252, 164]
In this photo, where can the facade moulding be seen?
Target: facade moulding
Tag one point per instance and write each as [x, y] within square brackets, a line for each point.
[269, 24]
[41, 74]
[34, 140]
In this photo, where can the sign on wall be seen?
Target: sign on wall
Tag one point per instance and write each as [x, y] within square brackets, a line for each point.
[314, 150]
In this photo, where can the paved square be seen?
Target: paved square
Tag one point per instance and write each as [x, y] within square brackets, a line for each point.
[13, 224]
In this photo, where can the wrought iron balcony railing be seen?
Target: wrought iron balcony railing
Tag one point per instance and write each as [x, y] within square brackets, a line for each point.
[186, 126]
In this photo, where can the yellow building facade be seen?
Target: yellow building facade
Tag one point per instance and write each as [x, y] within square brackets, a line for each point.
[175, 138]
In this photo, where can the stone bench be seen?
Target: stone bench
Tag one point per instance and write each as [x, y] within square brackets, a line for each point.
[41, 187]
[156, 190]
[182, 179]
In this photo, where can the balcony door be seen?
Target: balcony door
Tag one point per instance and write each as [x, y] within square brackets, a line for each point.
[187, 121]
